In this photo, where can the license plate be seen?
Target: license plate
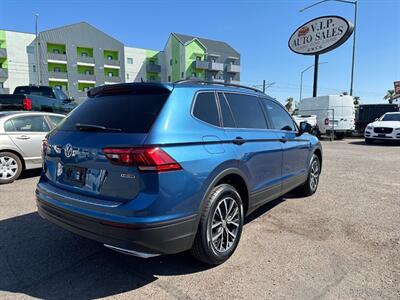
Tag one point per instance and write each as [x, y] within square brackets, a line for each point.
[381, 135]
[75, 175]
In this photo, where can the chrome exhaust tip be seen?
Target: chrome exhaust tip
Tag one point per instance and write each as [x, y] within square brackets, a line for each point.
[131, 252]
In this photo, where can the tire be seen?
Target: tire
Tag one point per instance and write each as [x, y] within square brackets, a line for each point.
[369, 141]
[339, 136]
[217, 205]
[311, 185]
[10, 167]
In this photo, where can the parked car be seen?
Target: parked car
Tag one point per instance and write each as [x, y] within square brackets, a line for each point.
[335, 113]
[386, 128]
[21, 136]
[310, 119]
[368, 113]
[37, 98]
[149, 168]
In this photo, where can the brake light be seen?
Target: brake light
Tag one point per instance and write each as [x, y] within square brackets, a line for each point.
[326, 121]
[146, 159]
[27, 104]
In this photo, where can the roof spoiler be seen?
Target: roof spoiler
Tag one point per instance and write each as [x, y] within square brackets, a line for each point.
[126, 88]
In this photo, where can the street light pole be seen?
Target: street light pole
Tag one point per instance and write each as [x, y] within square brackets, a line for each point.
[354, 2]
[301, 77]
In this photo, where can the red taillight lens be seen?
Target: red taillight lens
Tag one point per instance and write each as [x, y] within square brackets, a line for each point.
[146, 159]
[326, 121]
[27, 104]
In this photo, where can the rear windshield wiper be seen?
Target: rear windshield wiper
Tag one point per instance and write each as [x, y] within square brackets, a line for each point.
[90, 127]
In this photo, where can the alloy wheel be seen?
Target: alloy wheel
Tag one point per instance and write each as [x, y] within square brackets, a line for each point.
[314, 174]
[8, 167]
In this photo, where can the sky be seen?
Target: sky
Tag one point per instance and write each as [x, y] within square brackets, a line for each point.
[258, 29]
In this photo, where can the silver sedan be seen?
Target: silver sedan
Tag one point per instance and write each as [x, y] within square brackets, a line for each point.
[21, 135]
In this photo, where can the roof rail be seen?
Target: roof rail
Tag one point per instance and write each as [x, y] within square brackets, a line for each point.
[204, 82]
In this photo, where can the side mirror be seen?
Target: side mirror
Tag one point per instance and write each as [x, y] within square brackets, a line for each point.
[305, 127]
[69, 99]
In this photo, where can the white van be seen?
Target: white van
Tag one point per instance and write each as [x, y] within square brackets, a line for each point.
[334, 113]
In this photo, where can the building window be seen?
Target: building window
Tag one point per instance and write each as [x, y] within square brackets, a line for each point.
[56, 51]
[87, 72]
[109, 57]
[58, 87]
[84, 54]
[193, 74]
[34, 68]
[152, 62]
[152, 78]
[198, 57]
[86, 88]
[1, 84]
[110, 74]
[30, 49]
[57, 69]
[171, 62]
[129, 60]
[176, 61]
[127, 76]
[169, 78]
[182, 75]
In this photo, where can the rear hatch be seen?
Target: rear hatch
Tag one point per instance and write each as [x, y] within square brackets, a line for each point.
[14, 102]
[118, 120]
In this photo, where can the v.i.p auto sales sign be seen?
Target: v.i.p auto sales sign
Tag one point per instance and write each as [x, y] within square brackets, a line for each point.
[320, 35]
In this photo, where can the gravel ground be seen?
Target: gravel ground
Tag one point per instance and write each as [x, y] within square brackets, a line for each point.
[343, 242]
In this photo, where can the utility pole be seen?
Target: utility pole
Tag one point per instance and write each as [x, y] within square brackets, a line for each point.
[264, 86]
[37, 50]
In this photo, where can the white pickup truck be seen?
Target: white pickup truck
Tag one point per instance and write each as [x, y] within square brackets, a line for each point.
[310, 119]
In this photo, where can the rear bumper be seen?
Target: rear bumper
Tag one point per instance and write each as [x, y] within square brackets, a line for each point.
[161, 238]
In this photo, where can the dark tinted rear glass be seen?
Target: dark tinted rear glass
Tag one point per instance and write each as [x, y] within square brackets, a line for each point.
[247, 111]
[132, 112]
[206, 109]
[35, 90]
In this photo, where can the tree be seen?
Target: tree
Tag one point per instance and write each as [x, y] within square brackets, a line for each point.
[289, 103]
[389, 96]
[356, 100]
[345, 93]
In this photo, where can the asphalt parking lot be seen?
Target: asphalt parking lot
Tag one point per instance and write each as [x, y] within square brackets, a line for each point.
[343, 242]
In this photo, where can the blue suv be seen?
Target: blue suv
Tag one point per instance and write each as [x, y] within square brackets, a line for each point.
[151, 168]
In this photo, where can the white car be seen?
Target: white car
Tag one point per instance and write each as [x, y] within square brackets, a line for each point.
[386, 127]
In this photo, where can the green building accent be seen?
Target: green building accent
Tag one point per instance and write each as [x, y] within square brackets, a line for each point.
[82, 86]
[85, 69]
[152, 58]
[62, 84]
[107, 71]
[83, 50]
[52, 66]
[176, 58]
[3, 44]
[194, 51]
[56, 48]
[111, 53]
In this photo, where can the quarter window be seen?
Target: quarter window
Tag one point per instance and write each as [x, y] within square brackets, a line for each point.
[205, 108]
[246, 111]
[281, 120]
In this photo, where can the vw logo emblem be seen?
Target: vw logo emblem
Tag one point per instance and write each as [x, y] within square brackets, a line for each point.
[68, 151]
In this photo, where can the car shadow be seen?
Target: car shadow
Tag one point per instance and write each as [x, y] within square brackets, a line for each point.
[30, 173]
[41, 260]
[376, 143]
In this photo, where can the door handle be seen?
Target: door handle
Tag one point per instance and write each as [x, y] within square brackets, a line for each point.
[239, 140]
[283, 140]
[22, 137]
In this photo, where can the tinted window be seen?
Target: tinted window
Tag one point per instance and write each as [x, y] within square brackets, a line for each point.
[246, 111]
[55, 120]
[280, 118]
[134, 111]
[205, 108]
[60, 94]
[30, 124]
[226, 112]
[35, 90]
[391, 117]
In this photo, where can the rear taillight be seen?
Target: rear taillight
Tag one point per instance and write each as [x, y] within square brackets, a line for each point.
[145, 159]
[27, 104]
[326, 121]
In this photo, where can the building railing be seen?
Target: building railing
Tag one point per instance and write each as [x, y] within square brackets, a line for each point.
[56, 56]
[201, 64]
[112, 79]
[111, 62]
[231, 68]
[89, 77]
[85, 59]
[214, 66]
[58, 75]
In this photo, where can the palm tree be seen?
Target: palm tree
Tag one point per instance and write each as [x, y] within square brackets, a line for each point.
[289, 103]
[356, 100]
[389, 96]
[345, 93]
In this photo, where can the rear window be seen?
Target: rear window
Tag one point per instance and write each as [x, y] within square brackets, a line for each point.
[132, 112]
[35, 90]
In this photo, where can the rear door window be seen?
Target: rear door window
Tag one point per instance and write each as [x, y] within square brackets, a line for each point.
[131, 112]
[247, 111]
[30, 124]
[205, 108]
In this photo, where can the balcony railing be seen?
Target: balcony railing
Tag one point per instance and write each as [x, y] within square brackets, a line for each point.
[82, 94]
[234, 81]
[111, 62]
[112, 79]
[58, 75]
[3, 52]
[214, 66]
[88, 77]
[85, 59]
[56, 56]
[3, 73]
[153, 68]
[218, 80]
[4, 91]
[201, 64]
[233, 68]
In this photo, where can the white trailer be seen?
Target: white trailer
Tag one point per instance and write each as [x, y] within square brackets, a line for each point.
[335, 113]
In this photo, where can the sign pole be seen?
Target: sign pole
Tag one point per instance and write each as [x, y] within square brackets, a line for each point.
[315, 85]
